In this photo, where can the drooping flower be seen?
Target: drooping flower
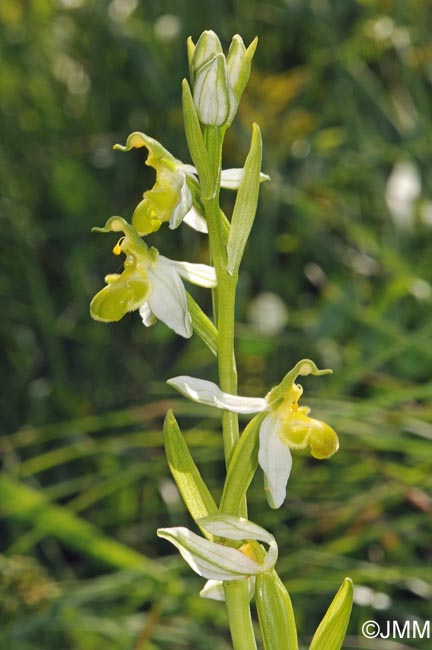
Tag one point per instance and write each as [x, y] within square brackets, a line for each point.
[175, 196]
[217, 561]
[150, 283]
[286, 426]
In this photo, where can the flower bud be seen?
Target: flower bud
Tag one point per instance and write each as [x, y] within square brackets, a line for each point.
[207, 47]
[238, 62]
[218, 82]
[211, 95]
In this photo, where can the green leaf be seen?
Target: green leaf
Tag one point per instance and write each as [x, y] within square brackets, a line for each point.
[275, 613]
[332, 629]
[195, 140]
[246, 203]
[26, 504]
[202, 325]
[194, 491]
[242, 467]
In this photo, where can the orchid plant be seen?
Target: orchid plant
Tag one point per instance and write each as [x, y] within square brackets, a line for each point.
[236, 556]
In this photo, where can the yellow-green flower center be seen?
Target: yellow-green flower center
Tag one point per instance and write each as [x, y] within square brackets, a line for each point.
[299, 431]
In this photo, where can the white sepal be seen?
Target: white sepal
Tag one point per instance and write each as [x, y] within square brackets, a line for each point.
[195, 221]
[189, 169]
[168, 298]
[275, 460]
[200, 274]
[183, 205]
[238, 528]
[208, 559]
[206, 392]
[147, 316]
[213, 589]
[231, 178]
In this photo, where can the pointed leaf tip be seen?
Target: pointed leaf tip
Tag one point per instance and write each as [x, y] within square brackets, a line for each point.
[246, 202]
[330, 633]
[194, 491]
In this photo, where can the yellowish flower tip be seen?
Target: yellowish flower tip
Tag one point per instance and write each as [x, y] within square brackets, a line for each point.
[136, 140]
[305, 369]
[116, 224]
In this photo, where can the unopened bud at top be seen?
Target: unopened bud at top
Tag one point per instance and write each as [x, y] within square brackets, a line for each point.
[207, 47]
[218, 82]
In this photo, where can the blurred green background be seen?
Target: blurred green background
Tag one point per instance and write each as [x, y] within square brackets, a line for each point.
[338, 269]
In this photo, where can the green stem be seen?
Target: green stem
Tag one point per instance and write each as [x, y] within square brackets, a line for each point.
[239, 616]
[236, 592]
[226, 288]
[227, 285]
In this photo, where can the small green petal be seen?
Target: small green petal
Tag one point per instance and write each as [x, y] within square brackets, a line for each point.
[157, 156]
[303, 368]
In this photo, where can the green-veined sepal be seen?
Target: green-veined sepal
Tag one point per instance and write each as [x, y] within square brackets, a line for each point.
[217, 561]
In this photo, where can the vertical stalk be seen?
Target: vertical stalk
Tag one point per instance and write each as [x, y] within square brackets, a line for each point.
[227, 286]
[225, 291]
[239, 616]
[236, 592]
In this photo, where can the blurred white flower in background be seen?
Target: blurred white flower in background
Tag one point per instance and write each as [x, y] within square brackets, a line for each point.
[403, 189]
[268, 313]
